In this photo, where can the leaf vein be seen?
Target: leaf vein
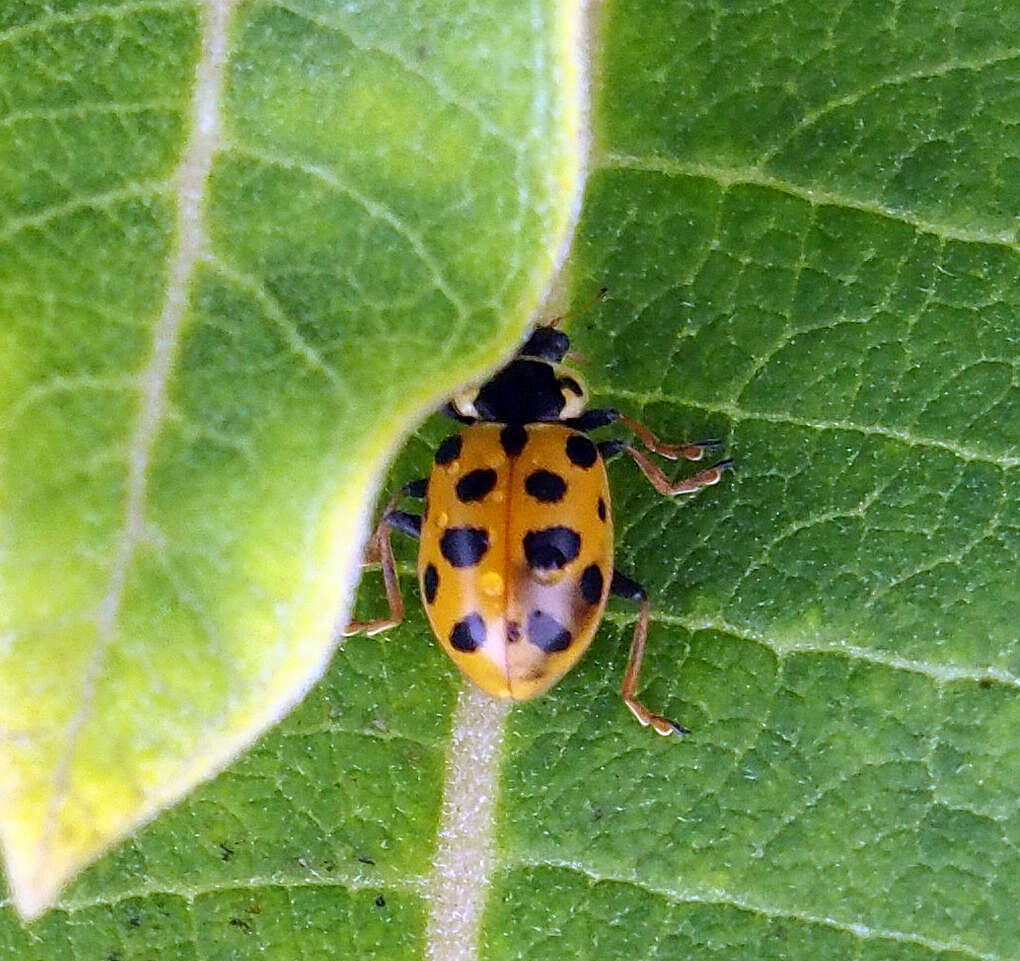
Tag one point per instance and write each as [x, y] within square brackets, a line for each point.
[275, 312]
[80, 16]
[442, 90]
[939, 674]
[723, 898]
[82, 111]
[142, 190]
[909, 438]
[375, 209]
[729, 177]
[930, 72]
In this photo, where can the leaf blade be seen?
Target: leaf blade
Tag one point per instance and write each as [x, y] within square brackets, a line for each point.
[231, 444]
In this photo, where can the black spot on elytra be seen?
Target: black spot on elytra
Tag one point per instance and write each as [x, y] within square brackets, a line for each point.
[591, 584]
[547, 633]
[602, 509]
[513, 631]
[474, 485]
[545, 486]
[513, 437]
[581, 451]
[430, 582]
[463, 546]
[449, 449]
[551, 547]
[468, 634]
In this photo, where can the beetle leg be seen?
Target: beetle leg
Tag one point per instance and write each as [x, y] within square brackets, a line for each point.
[693, 451]
[380, 551]
[686, 485]
[587, 305]
[608, 449]
[593, 418]
[416, 488]
[602, 416]
[623, 586]
[404, 521]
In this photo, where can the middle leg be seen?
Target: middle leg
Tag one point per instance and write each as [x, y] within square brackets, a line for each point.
[380, 551]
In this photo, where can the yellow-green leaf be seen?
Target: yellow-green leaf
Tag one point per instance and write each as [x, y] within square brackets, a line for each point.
[242, 248]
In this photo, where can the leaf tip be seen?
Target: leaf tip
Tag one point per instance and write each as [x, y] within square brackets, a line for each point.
[35, 884]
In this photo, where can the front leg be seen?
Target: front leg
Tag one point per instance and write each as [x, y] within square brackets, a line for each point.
[604, 416]
[600, 417]
[686, 485]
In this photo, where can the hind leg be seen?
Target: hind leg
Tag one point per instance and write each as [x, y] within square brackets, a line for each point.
[380, 551]
[623, 586]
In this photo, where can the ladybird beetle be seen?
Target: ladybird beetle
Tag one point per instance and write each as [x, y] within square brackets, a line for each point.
[515, 561]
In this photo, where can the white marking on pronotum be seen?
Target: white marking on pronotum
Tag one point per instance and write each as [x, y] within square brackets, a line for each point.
[190, 183]
[464, 856]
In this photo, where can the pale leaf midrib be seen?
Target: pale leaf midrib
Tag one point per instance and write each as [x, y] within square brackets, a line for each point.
[457, 897]
[464, 861]
[190, 182]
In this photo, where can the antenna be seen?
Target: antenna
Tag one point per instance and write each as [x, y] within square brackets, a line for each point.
[599, 295]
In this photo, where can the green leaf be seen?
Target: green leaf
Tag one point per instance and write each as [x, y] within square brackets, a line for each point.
[808, 222]
[241, 251]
